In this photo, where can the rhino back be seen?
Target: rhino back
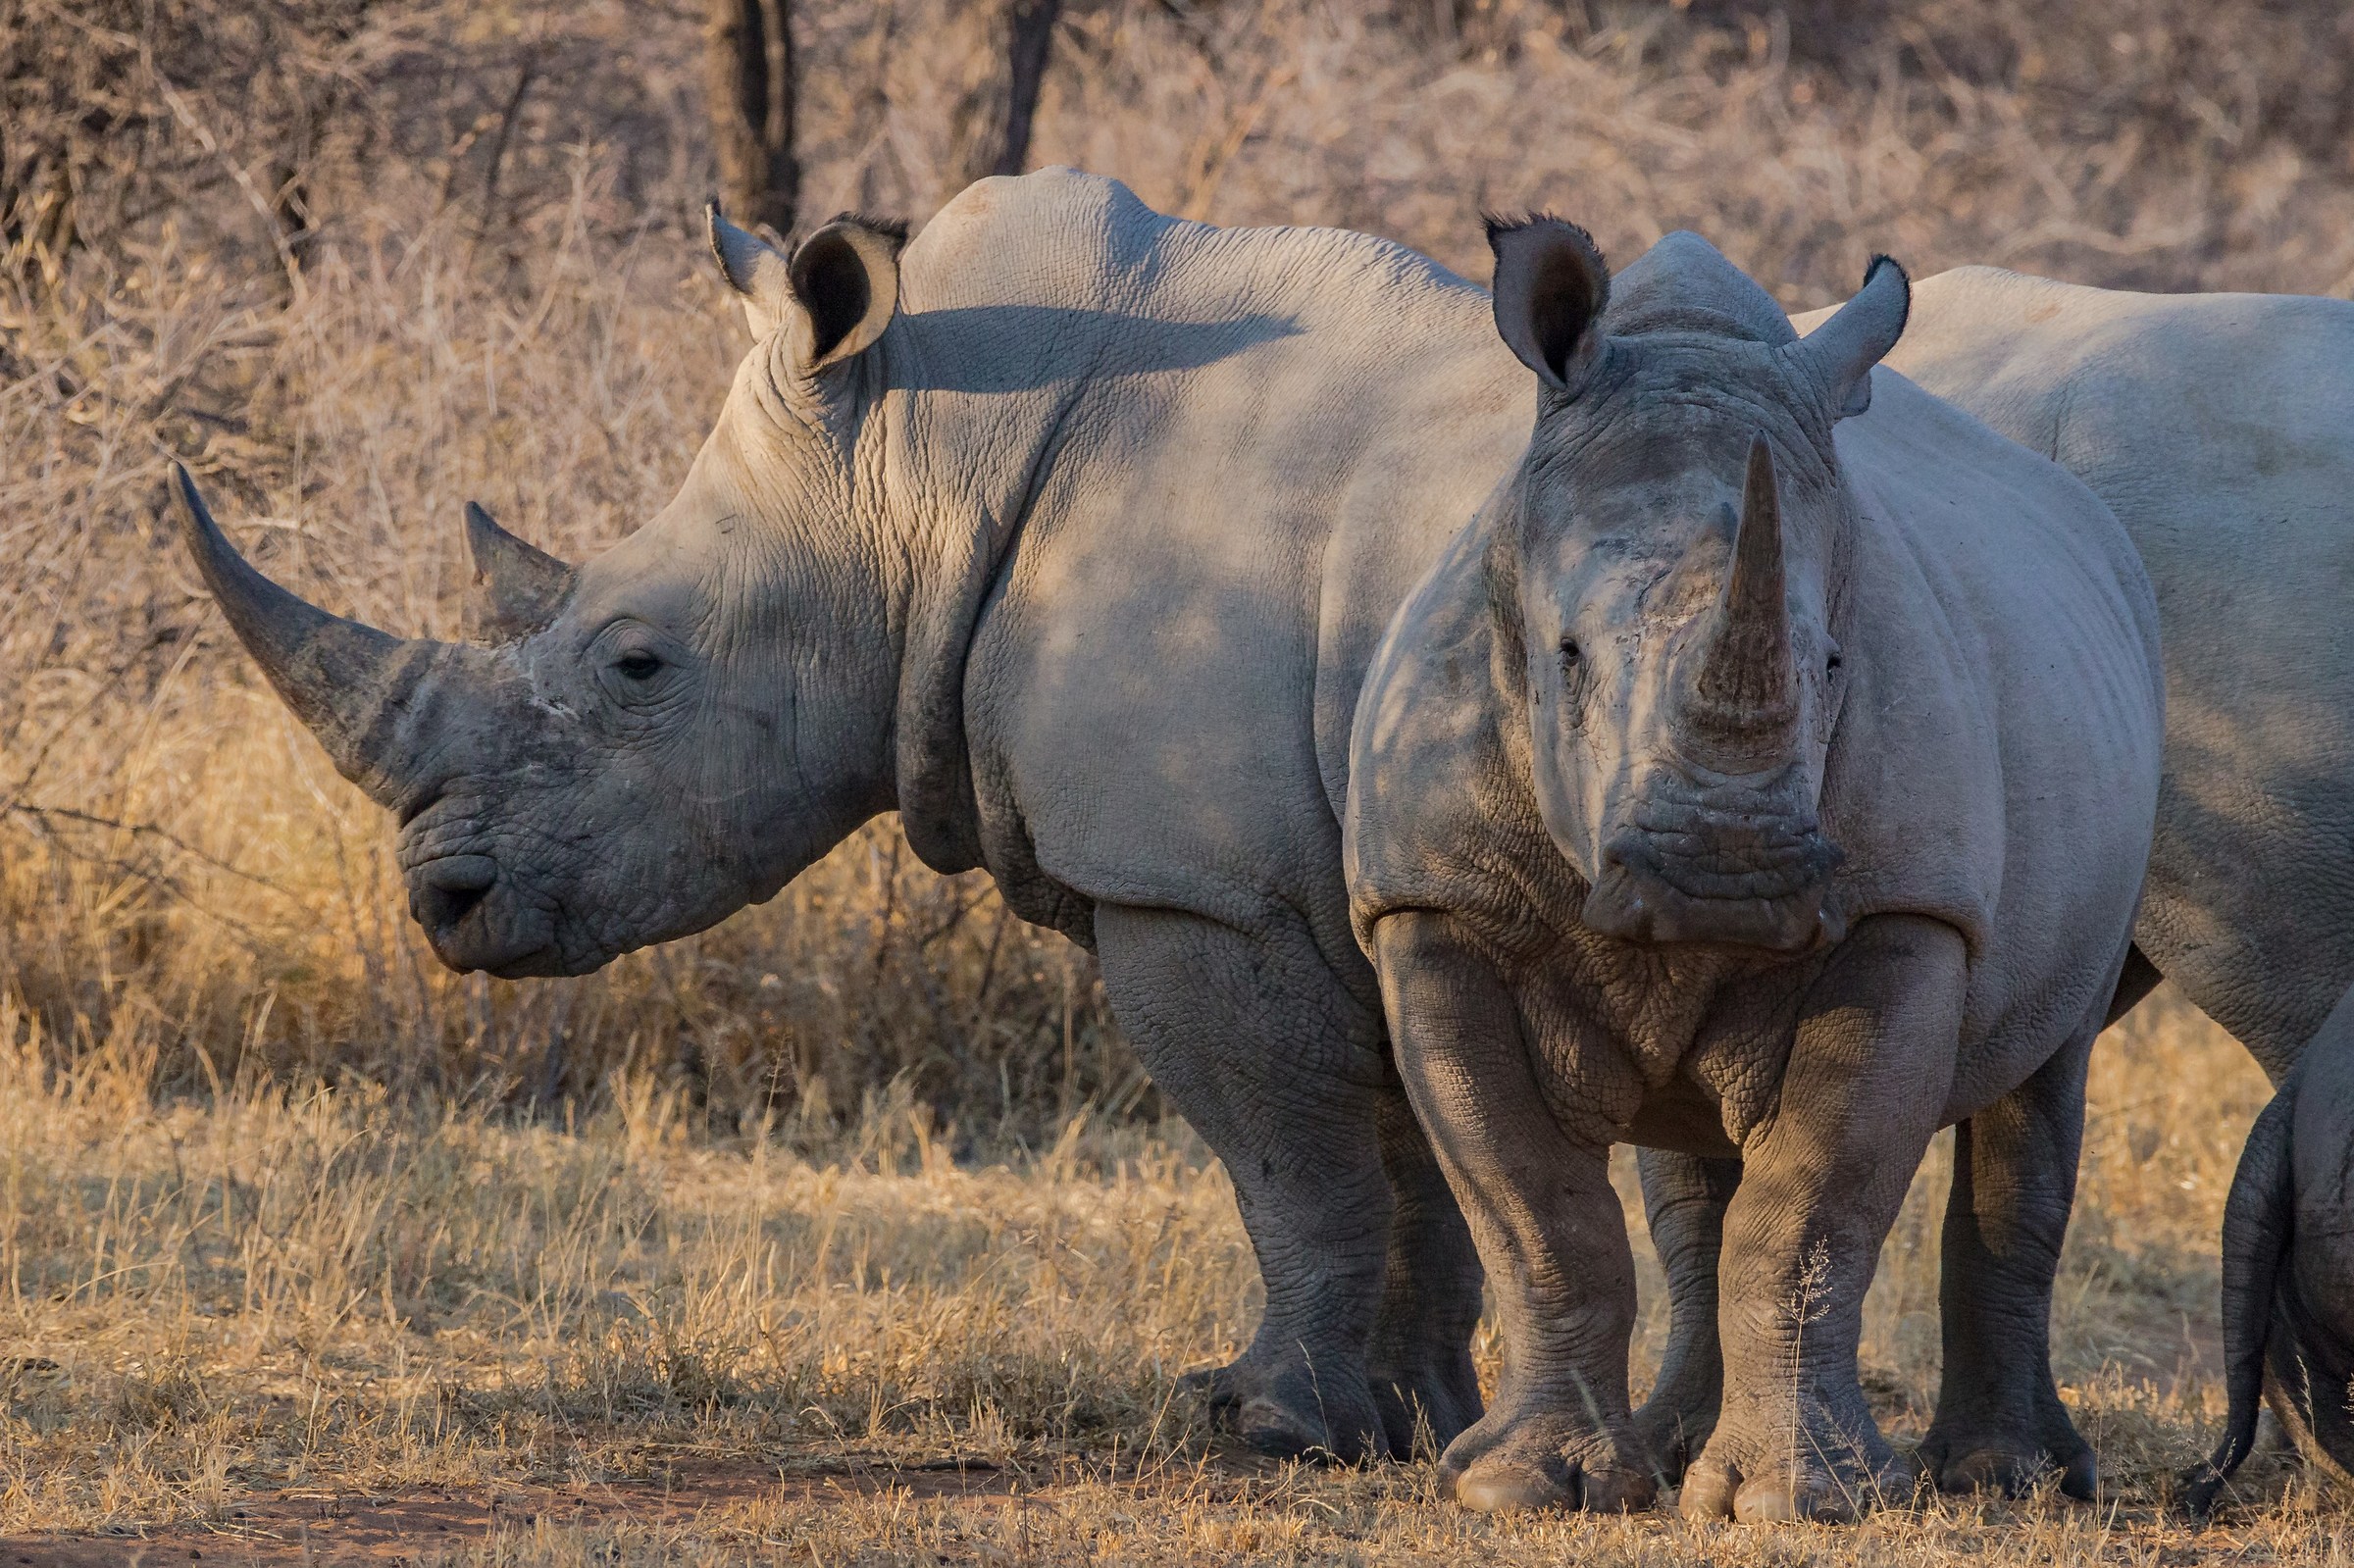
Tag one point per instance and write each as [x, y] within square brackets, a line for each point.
[2221, 430]
[1266, 437]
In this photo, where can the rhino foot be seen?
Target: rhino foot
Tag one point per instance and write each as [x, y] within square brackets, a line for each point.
[1824, 1476]
[1675, 1427]
[1439, 1397]
[1521, 1463]
[2013, 1463]
[1294, 1409]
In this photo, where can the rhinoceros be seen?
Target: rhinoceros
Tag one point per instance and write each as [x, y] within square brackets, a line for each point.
[2219, 428]
[1768, 769]
[1066, 531]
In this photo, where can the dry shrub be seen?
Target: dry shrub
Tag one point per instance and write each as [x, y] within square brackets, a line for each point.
[423, 252]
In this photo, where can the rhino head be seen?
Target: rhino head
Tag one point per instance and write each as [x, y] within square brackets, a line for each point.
[1667, 582]
[2288, 1269]
[637, 746]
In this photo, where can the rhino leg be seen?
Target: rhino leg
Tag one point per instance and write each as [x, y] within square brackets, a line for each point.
[1684, 1197]
[2000, 1423]
[1548, 1226]
[1420, 1358]
[1870, 1068]
[1264, 1051]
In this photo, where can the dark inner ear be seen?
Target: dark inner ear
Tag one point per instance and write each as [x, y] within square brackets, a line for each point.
[1562, 305]
[828, 276]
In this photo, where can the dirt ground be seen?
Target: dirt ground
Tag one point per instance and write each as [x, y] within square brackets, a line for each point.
[853, 1509]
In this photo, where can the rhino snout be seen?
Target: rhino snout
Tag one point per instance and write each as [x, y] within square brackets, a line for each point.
[475, 917]
[1667, 887]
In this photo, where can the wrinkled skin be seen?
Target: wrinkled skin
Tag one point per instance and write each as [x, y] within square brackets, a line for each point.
[1767, 773]
[2220, 429]
[1067, 533]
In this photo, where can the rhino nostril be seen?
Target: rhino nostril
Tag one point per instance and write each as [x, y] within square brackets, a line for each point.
[447, 889]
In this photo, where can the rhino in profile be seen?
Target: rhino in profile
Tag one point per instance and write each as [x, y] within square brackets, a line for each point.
[2220, 429]
[1066, 531]
[1766, 770]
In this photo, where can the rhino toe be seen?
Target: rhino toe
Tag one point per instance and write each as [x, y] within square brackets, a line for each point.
[1506, 1485]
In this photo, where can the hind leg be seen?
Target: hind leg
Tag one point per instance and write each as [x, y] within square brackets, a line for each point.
[1999, 1421]
[1420, 1358]
[1684, 1198]
[1263, 1050]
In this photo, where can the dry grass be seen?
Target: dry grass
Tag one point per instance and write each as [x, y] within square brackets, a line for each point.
[330, 1293]
[864, 1175]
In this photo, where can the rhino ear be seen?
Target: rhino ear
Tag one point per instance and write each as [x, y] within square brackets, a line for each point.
[1841, 352]
[758, 273]
[834, 297]
[1551, 286]
[846, 278]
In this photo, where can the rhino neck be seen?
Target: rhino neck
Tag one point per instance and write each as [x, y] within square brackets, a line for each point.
[963, 468]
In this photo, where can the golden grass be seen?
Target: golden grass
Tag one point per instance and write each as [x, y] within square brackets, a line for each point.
[333, 1294]
[864, 1176]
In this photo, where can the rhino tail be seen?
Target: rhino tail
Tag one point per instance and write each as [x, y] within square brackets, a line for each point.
[2259, 1219]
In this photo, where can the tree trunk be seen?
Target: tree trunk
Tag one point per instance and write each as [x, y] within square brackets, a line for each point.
[1026, 50]
[748, 63]
[1000, 101]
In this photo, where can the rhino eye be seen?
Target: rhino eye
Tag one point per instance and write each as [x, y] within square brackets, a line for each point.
[637, 665]
[1569, 653]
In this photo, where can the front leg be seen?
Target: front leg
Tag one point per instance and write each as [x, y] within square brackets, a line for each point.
[1548, 1225]
[1869, 1068]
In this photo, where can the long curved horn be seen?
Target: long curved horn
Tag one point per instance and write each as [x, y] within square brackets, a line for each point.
[1746, 685]
[2259, 1218]
[521, 588]
[347, 683]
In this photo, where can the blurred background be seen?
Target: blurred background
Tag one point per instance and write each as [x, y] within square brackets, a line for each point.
[359, 261]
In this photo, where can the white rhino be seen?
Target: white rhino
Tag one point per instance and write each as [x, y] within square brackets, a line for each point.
[1768, 769]
[1066, 532]
[2219, 428]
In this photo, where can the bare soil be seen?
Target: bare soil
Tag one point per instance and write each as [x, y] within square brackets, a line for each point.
[321, 1524]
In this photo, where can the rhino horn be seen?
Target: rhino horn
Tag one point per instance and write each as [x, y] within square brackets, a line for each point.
[1746, 685]
[520, 587]
[347, 683]
[2259, 1219]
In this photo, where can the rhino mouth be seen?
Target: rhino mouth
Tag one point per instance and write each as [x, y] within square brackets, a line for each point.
[1684, 873]
[474, 920]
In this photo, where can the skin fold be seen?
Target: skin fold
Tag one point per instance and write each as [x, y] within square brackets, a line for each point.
[1764, 773]
[2220, 429]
